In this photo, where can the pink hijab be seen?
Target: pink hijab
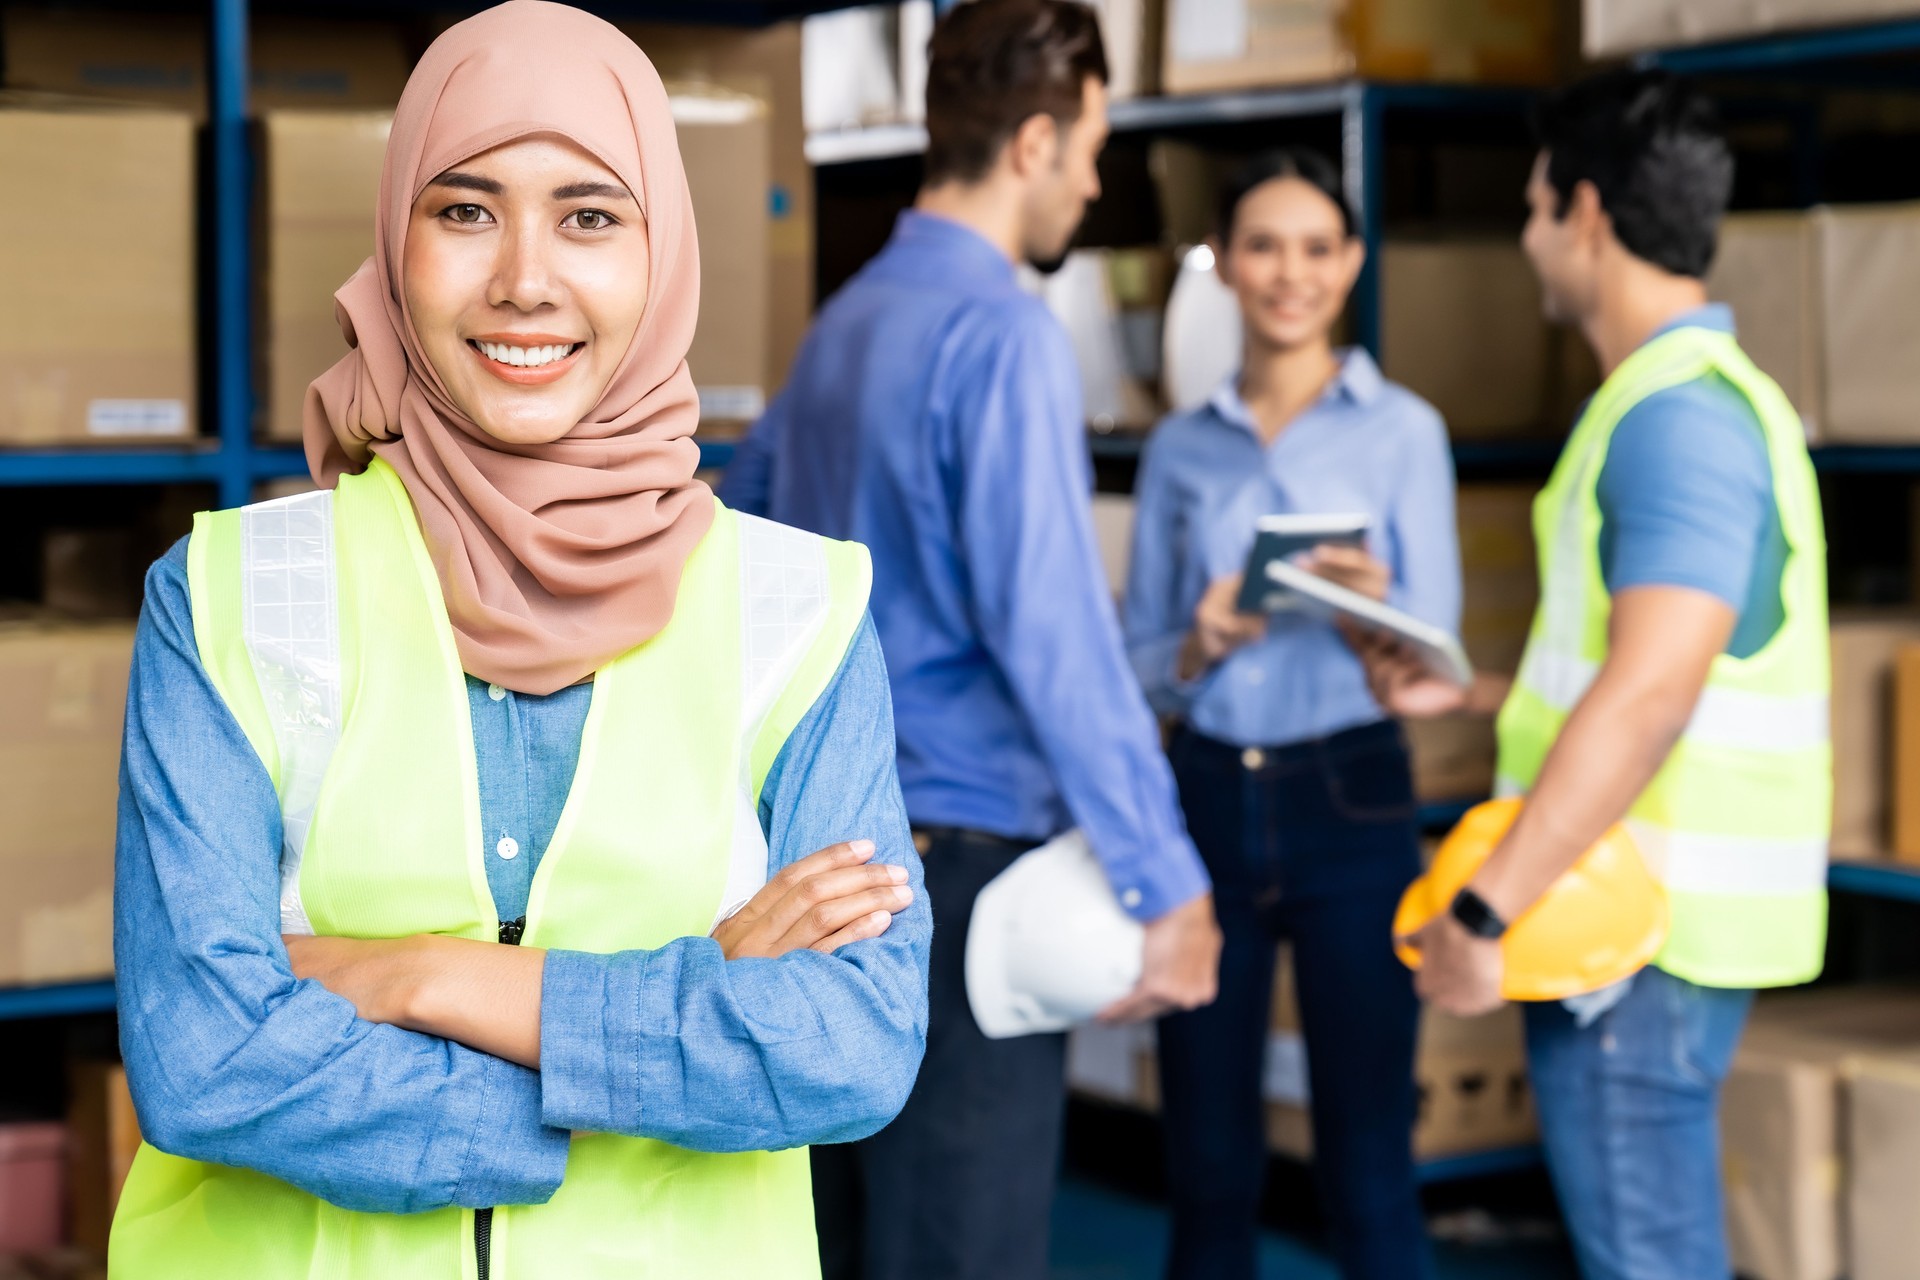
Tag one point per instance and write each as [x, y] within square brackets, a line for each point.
[555, 558]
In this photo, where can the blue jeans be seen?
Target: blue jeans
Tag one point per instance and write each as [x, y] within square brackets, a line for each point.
[1312, 843]
[1629, 1113]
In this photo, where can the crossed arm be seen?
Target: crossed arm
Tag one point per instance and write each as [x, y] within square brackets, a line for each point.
[235, 1058]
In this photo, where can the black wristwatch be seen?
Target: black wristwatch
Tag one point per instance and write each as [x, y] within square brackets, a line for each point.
[1476, 917]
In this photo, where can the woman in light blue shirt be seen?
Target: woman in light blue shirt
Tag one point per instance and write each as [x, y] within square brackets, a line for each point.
[1296, 785]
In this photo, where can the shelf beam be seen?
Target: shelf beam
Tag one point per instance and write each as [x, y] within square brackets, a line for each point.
[59, 1001]
[228, 61]
[109, 466]
[1789, 51]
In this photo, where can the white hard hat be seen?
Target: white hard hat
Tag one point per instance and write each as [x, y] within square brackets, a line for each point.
[1049, 945]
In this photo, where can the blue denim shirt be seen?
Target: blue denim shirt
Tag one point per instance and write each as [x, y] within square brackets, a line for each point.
[1367, 447]
[934, 413]
[234, 1061]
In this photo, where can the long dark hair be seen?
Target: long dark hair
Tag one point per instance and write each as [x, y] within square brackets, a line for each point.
[1307, 165]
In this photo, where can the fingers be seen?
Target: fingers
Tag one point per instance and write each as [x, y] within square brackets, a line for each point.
[827, 918]
[861, 930]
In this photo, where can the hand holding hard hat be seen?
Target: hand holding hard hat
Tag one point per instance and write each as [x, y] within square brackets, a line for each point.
[1049, 945]
[1601, 922]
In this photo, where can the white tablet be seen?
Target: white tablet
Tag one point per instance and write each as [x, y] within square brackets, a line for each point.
[1282, 538]
[1438, 651]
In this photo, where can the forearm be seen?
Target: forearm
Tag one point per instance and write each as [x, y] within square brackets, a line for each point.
[1487, 694]
[1614, 742]
[479, 994]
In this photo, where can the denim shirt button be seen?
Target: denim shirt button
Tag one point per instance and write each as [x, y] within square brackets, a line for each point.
[508, 847]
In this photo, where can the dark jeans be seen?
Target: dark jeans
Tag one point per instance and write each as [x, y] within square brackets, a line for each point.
[960, 1185]
[1312, 843]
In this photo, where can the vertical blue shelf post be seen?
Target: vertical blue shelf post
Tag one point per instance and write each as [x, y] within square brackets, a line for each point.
[227, 63]
[1363, 170]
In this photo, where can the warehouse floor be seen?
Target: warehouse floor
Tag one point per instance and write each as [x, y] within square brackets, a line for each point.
[1103, 1234]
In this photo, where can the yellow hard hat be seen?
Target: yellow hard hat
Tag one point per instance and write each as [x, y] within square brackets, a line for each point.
[1600, 922]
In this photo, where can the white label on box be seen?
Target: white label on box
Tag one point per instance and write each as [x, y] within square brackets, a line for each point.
[1207, 30]
[1286, 1072]
[136, 418]
[732, 404]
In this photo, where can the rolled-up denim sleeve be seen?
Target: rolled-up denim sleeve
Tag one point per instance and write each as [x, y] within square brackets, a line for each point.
[233, 1060]
[683, 1045]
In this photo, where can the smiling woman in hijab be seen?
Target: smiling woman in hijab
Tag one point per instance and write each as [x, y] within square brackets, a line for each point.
[512, 873]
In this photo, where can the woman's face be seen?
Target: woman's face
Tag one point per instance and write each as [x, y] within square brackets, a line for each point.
[1291, 263]
[526, 277]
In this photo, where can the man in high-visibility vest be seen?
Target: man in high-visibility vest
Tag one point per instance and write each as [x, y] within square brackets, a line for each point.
[1675, 678]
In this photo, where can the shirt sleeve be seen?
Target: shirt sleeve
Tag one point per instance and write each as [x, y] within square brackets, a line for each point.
[748, 483]
[1425, 539]
[1154, 619]
[683, 1045]
[1025, 527]
[230, 1058]
[1685, 494]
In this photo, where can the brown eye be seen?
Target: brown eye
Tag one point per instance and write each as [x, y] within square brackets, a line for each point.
[591, 220]
[467, 214]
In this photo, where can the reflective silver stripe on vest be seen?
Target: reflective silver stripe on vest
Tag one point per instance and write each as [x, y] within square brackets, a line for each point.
[1723, 717]
[1691, 862]
[290, 619]
[783, 578]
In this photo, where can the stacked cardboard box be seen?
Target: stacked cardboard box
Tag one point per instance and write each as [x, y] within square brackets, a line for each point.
[1823, 301]
[103, 1135]
[1866, 648]
[1784, 1125]
[62, 698]
[1241, 44]
[162, 58]
[99, 324]
[1629, 26]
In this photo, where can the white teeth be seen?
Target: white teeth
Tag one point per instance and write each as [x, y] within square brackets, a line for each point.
[524, 357]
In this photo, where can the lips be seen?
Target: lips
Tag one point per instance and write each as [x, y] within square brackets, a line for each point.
[528, 360]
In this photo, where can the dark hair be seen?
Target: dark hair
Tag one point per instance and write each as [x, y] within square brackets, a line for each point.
[1306, 165]
[1651, 146]
[994, 64]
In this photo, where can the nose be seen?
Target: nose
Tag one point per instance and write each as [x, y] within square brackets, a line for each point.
[523, 275]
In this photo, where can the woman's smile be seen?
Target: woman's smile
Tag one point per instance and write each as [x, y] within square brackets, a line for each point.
[527, 360]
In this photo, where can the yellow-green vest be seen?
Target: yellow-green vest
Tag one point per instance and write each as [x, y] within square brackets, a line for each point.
[1736, 822]
[320, 620]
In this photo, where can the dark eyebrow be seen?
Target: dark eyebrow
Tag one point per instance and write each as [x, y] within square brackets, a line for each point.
[469, 182]
[580, 190]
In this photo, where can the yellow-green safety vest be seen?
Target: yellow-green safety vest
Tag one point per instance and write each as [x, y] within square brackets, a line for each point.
[321, 621]
[1736, 822]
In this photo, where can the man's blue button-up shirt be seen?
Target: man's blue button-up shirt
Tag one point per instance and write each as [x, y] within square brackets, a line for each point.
[934, 413]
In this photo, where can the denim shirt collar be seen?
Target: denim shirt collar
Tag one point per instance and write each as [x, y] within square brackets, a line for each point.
[1358, 383]
[958, 249]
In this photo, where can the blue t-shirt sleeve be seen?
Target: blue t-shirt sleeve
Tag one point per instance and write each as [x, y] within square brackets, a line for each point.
[1686, 494]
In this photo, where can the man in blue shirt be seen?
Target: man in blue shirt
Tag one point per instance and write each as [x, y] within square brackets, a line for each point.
[934, 414]
[1626, 200]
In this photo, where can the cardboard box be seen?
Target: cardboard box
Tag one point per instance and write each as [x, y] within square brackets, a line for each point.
[63, 692]
[99, 326]
[1866, 644]
[162, 58]
[1113, 516]
[1883, 1158]
[1462, 327]
[1244, 44]
[1765, 270]
[319, 185]
[1783, 1121]
[1906, 754]
[1614, 27]
[104, 1134]
[93, 573]
[763, 63]
[1134, 33]
[1869, 274]
[724, 144]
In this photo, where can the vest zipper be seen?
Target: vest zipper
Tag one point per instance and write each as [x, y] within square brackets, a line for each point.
[510, 933]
